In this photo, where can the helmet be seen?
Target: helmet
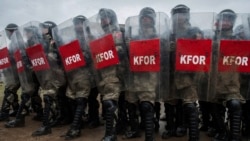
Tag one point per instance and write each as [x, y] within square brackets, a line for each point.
[79, 19]
[10, 28]
[180, 9]
[147, 12]
[47, 24]
[108, 13]
[226, 15]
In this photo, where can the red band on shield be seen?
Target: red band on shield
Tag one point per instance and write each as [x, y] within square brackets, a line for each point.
[234, 56]
[144, 56]
[104, 52]
[38, 58]
[193, 55]
[4, 58]
[72, 55]
[19, 62]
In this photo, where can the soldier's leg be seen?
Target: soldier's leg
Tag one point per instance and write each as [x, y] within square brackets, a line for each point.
[218, 113]
[133, 118]
[234, 110]
[170, 121]
[49, 110]
[122, 114]
[36, 104]
[7, 100]
[75, 128]
[19, 121]
[205, 115]
[148, 112]
[246, 119]
[15, 105]
[93, 110]
[157, 108]
[180, 120]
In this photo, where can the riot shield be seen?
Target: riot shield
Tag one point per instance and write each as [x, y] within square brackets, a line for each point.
[7, 64]
[43, 57]
[191, 56]
[230, 58]
[23, 64]
[106, 45]
[75, 55]
[148, 49]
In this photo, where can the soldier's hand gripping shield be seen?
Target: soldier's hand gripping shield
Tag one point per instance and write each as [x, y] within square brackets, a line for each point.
[191, 55]
[147, 39]
[231, 57]
[19, 44]
[75, 56]
[107, 47]
[7, 63]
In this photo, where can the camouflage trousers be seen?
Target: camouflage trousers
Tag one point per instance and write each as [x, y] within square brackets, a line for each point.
[133, 97]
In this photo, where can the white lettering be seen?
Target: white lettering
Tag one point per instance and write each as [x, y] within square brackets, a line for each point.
[37, 62]
[235, 60]
[193, 59]
[107, 55]
[19, 64]
[144, 60]
[4, 61]
[72, 59]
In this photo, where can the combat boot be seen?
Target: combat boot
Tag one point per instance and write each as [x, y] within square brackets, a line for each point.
[170, 126]
[193, 121]
[110, 116]
[45, 128]
[234, 110]
[75, 129]
[148, 111]
[134, 131]
[19, 121]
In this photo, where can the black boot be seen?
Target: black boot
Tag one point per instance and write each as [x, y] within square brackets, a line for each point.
[36, 104]
[93, 110]
[180, 120]
[148, 111]
[15, 106]
[234, 110]
[110, 110]
[134, 131]
[193, 121]
[75, 129]
[45, 128]
[218, 112]
[170, 126]
[20, 118]
[122, 115]
[5, 109]
[157, 108]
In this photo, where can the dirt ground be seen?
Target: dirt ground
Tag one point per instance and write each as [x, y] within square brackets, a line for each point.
[24, 134]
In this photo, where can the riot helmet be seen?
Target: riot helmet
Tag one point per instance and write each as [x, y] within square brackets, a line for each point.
[225, 20]
[108, 19]
[180, 18]
[10, 28]
[147, 17]
[47, 27]
[32, 34]
[78, 23]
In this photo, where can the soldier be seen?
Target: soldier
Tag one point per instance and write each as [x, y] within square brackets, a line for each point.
[28, 81]
[226, 85]
[49, 73]
[183, 86]
[12, 83]
[108, 71]
[142, 30]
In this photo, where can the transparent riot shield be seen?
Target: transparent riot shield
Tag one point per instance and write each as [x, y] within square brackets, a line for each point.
[148, 49]
[7, 63]
[230, 57]
[75, 55]
[43, 57]
[191, 55]
[23, 64]
[107, 48]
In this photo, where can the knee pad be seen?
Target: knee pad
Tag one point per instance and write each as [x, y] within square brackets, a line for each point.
[234, 105]
[146, 106]
[110, 105]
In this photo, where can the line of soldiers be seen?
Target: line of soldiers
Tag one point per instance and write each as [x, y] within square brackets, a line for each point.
[69, 64]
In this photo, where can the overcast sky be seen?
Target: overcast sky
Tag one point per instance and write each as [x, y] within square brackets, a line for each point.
[23, 11]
